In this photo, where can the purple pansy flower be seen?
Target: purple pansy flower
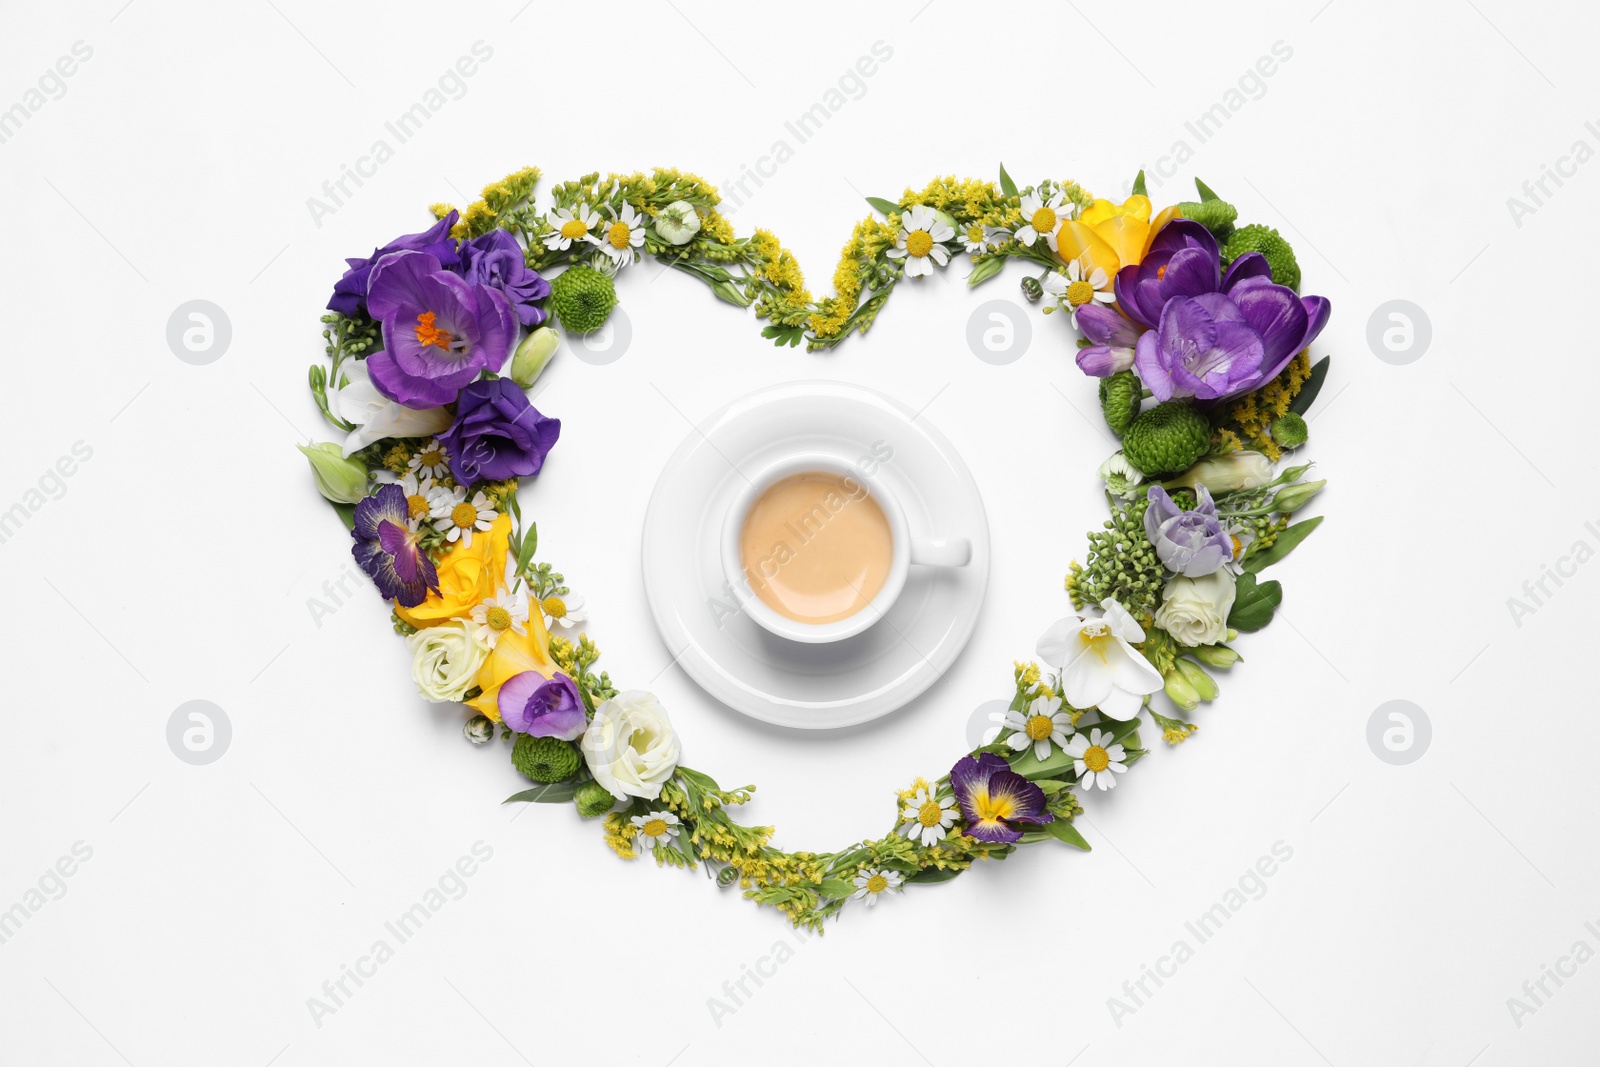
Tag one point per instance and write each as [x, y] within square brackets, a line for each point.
[1182, 261]
[389, 550]
[350, 292]
[532, 704]
[439, 330]
[992, 796]
[496, 260]
[1191, 543]
[497, 433]
[1113, 337]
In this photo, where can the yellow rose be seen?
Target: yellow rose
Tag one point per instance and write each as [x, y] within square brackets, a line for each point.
[513, 654]
[466, 577]
[1112, 236]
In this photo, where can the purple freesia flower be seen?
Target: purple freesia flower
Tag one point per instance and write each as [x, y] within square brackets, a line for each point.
[993, 796]
[1183, 261]
[439, 330]
[389, 550]
[532, 704]
[496, 260]
[1191, 543]
[1113, 337]
[350, 292]
[497, 433]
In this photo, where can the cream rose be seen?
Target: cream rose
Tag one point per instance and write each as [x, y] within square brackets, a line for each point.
[1195, 610]
[630, 746]
[445, 660]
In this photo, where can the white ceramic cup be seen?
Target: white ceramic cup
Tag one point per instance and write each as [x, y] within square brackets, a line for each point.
[909, 550]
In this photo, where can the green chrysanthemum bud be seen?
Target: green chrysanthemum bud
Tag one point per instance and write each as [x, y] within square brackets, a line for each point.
[582, 298]
[1167, 438]
[1270, 243]
[1119, 400]
[533, 354]
[343, 481]
[1290, 430]
[545, 759]
[1215, 215]
[593, 800]
[479, 730]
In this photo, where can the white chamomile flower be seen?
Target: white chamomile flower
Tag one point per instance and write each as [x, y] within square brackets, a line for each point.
[1041, 218]
[499, 613]
[621, 236]
[978, 238]
[656, 828]
[419, 496]
[1095, 759]
[431, 461]
[927, 817]
[1077, 288]
[872, 882]
[457, 517]
[571, 224]
[921, 238]
[567, 611]
[1040, 723]
[1121, 477]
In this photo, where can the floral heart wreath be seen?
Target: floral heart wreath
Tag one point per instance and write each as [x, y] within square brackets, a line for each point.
[426, 371]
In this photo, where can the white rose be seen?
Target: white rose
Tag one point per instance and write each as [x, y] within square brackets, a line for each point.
[678, 222]
[1195, 610]
[445, 660]
[631, 747]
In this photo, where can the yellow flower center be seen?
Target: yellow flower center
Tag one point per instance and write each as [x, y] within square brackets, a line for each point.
[1096, 635]
[619, 235]
[975, 232]
[431, 458]
[574, 228]
[1044, 220]
[554, 607]
[498, 618]
[654, 828]
[429, 334]
[919, 242]
[877, 883]
[417, 505]
[464, 515]
[1079, 293]
[1039, 727]
[991, 808]
[930, 814]
[1096, 758]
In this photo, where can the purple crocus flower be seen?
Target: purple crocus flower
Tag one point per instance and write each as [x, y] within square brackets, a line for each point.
[496, 260]
[993, 796]
[497, 433]
[1113, 337]
[533, 704]
[350, 292]
[439, 330]
[1183, 261]
[389, 550]
[1191, 543]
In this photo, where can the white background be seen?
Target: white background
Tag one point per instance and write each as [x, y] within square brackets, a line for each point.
[178, 563]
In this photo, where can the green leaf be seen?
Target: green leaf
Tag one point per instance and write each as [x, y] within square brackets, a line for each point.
[1051, 786]
[347, 515]
[1254, 603]
[931, 875]
[1205, 191]
[549, 793]
[1007, 186]
[1032, 768]
[887, 207]
[1308, 392]
[784, 335]
[1062, 830]
[1138, 185]
[836, 888]
[530, 545]
[1285, 544]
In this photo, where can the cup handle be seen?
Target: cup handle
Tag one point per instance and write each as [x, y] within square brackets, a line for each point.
[941, 552]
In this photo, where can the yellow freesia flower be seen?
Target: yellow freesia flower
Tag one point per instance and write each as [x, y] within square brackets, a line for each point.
[466, 576]
[1112, 236]
[513, 654]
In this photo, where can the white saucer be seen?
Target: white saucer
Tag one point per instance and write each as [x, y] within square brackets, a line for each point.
[814, 687]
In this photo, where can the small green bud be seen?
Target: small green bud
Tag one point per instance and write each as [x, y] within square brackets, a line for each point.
[1290, 430]
[729, 290]
[1196, 676]
[985, 269]
[1220, 656]
[1180, 691]
[1294, 497]
[1032, 289]
[593, 800]
[479, 730]
[343, 481]
[533, 354]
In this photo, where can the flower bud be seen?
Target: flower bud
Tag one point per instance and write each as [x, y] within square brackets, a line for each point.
[1181, 692]
[1032, 289]
[1220, 656]
[1196, 676]
[341, 480]
[1227, 473]
[729, 290]
[678, 222]
[533, 354]
[1294, 497]
[479, 730]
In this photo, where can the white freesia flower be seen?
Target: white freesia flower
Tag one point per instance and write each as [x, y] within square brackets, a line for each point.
[1099, 666]
[1195, 610]
[376, 417]
[631, 747]
[445, 660]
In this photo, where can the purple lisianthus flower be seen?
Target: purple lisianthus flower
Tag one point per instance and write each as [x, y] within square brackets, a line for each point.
[1113, 337]
[439, 330]
[350, 292]
[1192, 543]
[497, 433]
[389, 550]
[1183, 261]
[496, 260]
[1217, 345]
[532, 704]
[993, 796]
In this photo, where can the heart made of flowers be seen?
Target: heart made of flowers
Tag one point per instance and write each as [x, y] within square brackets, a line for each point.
[1191, 325]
